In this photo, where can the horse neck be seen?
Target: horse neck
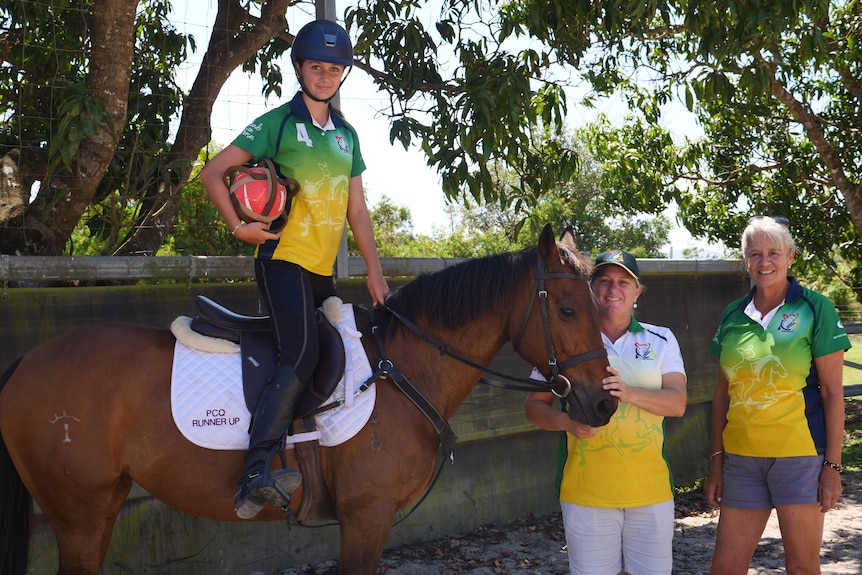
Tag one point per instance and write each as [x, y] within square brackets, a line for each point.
[443, 379]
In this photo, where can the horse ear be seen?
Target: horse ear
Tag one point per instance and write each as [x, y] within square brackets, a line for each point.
[568, 239]
[547, 242]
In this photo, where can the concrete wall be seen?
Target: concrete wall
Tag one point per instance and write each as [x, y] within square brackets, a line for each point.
[504, 467]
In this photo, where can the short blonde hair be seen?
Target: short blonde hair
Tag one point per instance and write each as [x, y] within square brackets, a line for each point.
[775, 230]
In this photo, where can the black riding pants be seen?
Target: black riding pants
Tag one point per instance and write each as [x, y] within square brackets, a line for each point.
[291, 295]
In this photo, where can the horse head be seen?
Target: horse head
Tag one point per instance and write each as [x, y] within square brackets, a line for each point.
[559, 333]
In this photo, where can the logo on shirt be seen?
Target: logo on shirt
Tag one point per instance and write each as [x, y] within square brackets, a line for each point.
[251, 131]
[342, 145]
[788, 322]
[644, 351]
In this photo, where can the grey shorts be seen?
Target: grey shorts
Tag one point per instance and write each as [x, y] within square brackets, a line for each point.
[764, 483]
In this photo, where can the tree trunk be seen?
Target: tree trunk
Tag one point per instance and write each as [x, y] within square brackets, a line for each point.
[61, 201]
[13, 197]
[227, 50]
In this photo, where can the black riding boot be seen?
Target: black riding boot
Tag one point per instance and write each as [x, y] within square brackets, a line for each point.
[271, 419]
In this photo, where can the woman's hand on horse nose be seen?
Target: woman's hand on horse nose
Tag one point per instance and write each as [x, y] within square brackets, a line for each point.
[616, 386]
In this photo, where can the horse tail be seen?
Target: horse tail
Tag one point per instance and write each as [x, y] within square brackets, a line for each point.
[15, 506]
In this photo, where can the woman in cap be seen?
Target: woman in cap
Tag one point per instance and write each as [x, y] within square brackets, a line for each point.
[616, 491]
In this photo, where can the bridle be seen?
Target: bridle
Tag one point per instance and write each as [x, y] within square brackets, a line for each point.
[559, 384]
[556, 382]
[386, 368]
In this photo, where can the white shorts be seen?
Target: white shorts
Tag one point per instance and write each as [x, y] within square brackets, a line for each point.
[608, 541]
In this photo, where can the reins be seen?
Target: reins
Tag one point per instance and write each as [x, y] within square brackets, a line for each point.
[529, 384]
[386, 369]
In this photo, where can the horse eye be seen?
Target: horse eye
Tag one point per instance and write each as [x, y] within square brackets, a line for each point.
[568, 313]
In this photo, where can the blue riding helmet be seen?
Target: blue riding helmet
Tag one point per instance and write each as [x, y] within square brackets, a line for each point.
[322, 41]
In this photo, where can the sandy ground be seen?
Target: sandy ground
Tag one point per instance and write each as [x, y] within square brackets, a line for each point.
[536, 546]
[840, 553]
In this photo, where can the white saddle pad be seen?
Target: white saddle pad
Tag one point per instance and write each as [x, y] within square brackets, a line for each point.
[207, 399]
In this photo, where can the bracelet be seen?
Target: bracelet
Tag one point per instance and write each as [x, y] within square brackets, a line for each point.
[236, 228]
[836, 466]
[719, 452]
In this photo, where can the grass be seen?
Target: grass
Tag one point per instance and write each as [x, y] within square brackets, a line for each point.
[853, 376]
[851, 455]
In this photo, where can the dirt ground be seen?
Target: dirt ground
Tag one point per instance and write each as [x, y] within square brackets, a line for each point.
[536, 545]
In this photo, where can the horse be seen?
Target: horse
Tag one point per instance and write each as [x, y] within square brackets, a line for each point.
[119, 396]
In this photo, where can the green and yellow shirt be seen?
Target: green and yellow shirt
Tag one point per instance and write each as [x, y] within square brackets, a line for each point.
[625, 464]
[323, 162]
[775, 405]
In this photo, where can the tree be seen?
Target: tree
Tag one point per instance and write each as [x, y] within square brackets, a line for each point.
[578, 201]
[482, 228]
[199, 228]
[393, 228]
[774, 85]
[88, 119]
[484, 111]
[98, 135]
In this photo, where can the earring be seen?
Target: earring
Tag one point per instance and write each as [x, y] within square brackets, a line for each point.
[635, 306]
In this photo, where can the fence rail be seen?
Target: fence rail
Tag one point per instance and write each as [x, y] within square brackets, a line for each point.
[850, 313]
[121, 268]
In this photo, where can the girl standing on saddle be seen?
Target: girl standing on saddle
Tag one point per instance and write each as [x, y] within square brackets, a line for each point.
[310, 142]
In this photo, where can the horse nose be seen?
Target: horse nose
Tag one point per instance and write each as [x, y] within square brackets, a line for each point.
[606, 408]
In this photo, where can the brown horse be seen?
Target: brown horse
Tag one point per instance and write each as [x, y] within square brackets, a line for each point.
[114, 379]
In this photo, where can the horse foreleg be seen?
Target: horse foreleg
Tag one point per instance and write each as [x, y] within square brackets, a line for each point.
[363, 536]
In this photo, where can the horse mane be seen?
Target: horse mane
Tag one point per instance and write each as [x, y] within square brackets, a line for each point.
[469, 290]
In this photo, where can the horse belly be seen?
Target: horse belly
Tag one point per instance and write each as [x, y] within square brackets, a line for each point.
[391, 458]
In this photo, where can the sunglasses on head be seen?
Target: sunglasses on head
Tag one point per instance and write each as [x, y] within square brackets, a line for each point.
[777, 219]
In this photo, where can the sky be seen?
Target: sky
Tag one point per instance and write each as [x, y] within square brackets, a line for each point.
[401, 175]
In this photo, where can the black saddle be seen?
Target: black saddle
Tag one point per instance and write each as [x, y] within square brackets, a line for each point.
[254, 334]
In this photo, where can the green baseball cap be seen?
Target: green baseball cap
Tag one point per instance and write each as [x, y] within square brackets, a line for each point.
[618, 258]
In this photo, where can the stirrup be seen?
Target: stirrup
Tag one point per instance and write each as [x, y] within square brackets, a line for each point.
[246, 505]
[276, 487]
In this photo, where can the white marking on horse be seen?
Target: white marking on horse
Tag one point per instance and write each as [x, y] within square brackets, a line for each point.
[57, 418]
